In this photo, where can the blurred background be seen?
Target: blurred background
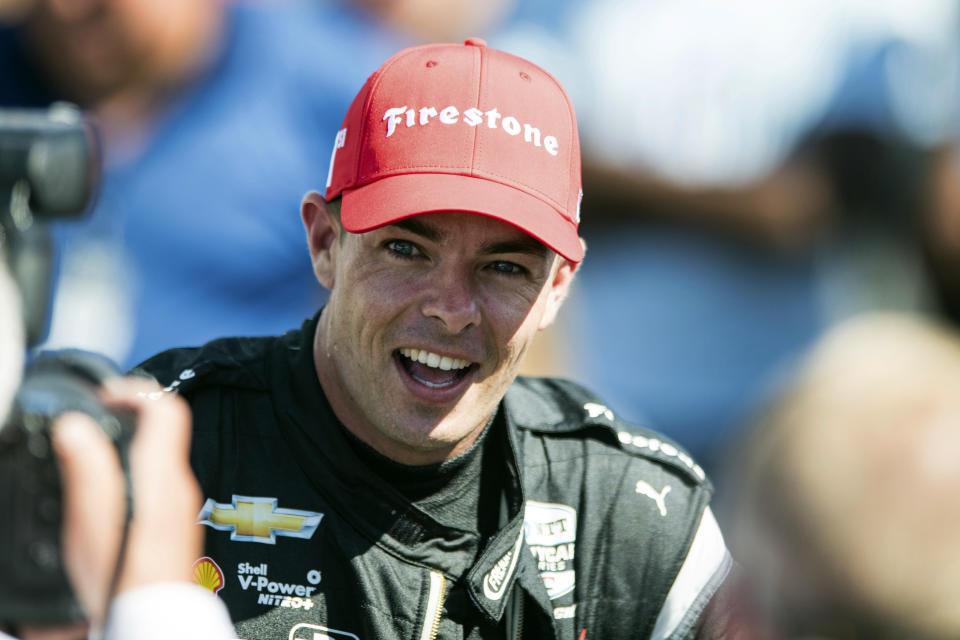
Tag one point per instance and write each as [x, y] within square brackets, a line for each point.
[755, 174]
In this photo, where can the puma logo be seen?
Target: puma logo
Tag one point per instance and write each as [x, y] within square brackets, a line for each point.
[644, 489]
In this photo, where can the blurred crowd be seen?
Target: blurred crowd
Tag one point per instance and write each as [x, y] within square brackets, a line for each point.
[755, 175]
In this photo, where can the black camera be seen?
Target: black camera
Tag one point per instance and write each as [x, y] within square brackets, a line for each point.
[33, 585]
[49, 167]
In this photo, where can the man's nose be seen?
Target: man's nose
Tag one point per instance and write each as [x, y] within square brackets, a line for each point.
[451, 299]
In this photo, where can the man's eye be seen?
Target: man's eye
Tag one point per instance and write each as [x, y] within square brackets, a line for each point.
[507, 268]
[403, 248]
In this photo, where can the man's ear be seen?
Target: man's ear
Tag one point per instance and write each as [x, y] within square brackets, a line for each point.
[322, 232]
[559, 288]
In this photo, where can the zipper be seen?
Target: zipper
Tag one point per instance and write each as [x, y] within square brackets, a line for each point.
[431, 618]
[519, 613]
[513, 615]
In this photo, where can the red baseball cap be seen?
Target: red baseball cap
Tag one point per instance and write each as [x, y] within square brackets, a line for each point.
[447, 127]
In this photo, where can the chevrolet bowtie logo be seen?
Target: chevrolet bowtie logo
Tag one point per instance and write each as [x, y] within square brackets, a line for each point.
[250, 519]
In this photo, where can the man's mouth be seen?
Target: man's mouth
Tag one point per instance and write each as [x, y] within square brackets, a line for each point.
[431, 369]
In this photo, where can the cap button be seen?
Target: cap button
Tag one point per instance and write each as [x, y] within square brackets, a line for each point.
[475, 42]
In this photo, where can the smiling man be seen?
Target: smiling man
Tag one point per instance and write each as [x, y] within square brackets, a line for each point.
[383, 472]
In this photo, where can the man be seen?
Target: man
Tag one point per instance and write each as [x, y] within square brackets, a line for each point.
[382, 472]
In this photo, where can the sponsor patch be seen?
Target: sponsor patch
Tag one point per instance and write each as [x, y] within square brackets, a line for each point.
[449, 115]
[207, 574]
[338, 143]
[253, 519]
[551, 534]
[496, 581]
[255, 578]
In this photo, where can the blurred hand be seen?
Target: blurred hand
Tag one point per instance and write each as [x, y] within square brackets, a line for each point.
[786, 210]
[944, 212]
[163, 539]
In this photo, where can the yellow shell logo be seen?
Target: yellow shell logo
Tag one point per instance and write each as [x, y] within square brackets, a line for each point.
[207, 574]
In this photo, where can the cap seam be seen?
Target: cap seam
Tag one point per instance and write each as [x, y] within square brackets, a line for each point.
[546, 197]
[361, 135]
[479, 148]
[486, 175]
[574, 158]
[473, 174]
[368, 103]
[477, 138]
[574, 153]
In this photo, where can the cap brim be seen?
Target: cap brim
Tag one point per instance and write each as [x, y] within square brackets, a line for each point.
[397, 197]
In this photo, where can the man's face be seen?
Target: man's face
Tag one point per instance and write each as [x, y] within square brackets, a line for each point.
[426, 326]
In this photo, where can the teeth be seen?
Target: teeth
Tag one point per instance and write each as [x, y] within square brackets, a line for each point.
[444, 363]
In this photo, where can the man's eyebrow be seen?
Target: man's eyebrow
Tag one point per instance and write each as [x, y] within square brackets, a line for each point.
[526, 245]
[419, 228]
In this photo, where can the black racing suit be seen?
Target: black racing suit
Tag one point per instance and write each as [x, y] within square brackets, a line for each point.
[604, 530]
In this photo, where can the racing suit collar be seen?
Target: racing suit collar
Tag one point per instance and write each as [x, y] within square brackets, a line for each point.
[374, 508]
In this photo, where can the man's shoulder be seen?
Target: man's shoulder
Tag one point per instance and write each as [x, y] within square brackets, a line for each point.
[558, 407]
[627, 483]
[234, 361]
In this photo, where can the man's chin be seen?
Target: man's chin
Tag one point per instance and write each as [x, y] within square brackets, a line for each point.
[430, 444]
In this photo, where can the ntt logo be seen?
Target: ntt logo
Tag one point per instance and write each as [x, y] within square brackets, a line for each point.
[394, 116]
